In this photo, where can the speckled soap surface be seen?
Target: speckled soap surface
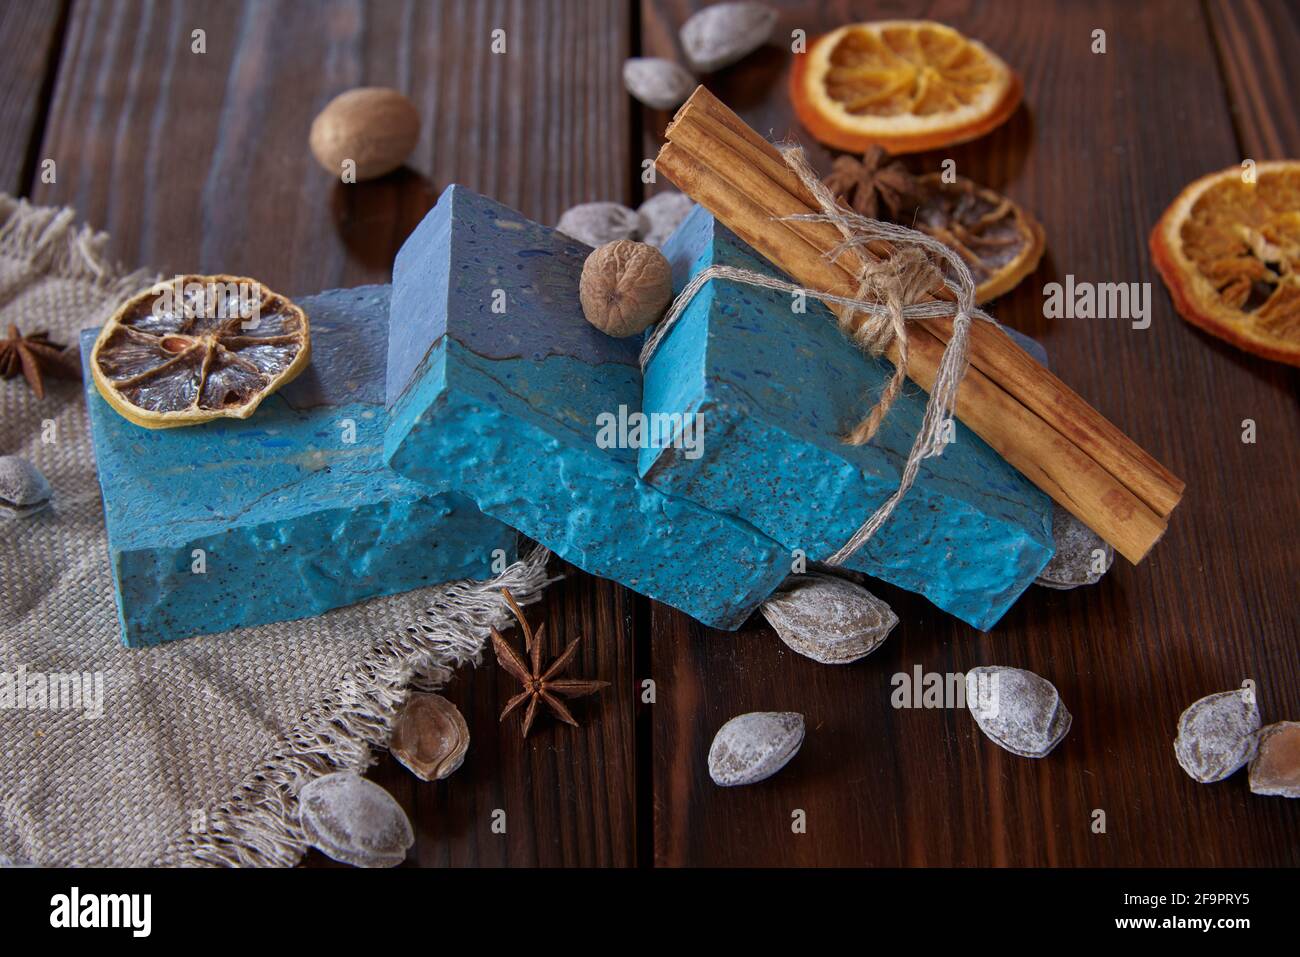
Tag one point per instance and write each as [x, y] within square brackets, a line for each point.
[291, 517]
[495, 385]
[777, 390]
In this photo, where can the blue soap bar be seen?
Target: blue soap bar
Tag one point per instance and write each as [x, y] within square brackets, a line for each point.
[291, 518]
[498, 388]
[777, 390]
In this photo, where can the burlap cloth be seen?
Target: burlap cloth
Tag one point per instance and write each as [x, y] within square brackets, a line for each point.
[203, 743]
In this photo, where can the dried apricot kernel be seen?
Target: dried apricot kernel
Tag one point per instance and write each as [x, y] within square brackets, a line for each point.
[723, 33]
[828, 619]
[663, 213]
[1017, 710]
[658, 83]
[599, 223]
[430, 737]
[354, 821]
[24, 490]
[1081, 556]
[1275, 769]
[751, 747]
[1217, 735]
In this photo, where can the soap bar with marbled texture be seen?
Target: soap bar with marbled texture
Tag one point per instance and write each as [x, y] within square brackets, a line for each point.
[496, 384]
[777, 390]
[290, 517]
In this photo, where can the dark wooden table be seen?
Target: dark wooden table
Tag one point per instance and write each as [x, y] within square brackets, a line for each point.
[199, 162]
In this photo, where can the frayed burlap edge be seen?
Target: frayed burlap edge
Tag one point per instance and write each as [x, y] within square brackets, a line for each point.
[48, 240]
[258, 826]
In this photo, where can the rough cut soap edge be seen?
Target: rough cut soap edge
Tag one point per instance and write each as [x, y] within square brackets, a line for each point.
[978, 608]
[452, 402]
[411, 341]
[256, 826]
[137, 626]
[144, 625]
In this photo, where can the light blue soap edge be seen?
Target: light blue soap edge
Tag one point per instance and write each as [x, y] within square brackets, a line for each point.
[442, 423]
[481, 534]
[490, 243]
[687, 388]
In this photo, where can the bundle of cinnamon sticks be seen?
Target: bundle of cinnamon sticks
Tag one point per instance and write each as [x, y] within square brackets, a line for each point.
[1031, 418]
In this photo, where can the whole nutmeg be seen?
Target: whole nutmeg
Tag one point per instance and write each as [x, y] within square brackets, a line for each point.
[375, 127]
[625, 287]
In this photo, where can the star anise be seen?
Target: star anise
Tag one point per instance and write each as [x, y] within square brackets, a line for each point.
[540, 687]
[35, 356]
[874, 186]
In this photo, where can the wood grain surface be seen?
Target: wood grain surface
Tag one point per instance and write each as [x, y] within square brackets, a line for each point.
[30, 38]
[1102, 144]
[1258, 42]
[198, 161]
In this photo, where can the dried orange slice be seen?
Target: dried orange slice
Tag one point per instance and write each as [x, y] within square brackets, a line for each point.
[198, 348]
[906, 85]
[998, 241]
[1229, 251]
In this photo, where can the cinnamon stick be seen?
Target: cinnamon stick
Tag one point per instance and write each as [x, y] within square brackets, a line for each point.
[717, 160]
[1018, 373]
[991, 350]
[1069, 476]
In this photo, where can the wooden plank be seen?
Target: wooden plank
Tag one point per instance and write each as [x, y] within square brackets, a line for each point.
[568, 794]
[1103, 143]
[30, 34]
[1257, 42]
[199, 162]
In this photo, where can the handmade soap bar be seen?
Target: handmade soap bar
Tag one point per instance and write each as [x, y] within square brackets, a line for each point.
[776, 390]
[498, 388]
[283, 515]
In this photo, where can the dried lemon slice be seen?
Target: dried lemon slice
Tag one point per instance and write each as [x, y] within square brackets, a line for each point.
[998, 241]
[1229, 251]
[198, 348]
[906, 85]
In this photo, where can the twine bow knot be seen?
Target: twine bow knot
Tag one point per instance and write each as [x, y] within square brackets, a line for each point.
[890, 292]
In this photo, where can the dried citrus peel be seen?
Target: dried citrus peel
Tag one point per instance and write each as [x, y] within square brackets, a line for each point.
[198, 348]
[1229, 252]
[999, 242]
[906, 85]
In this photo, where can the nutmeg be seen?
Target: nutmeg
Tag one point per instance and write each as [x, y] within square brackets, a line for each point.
[375, 127]
[625, 287]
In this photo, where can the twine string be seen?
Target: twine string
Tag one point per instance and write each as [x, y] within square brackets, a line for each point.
[890, 293]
